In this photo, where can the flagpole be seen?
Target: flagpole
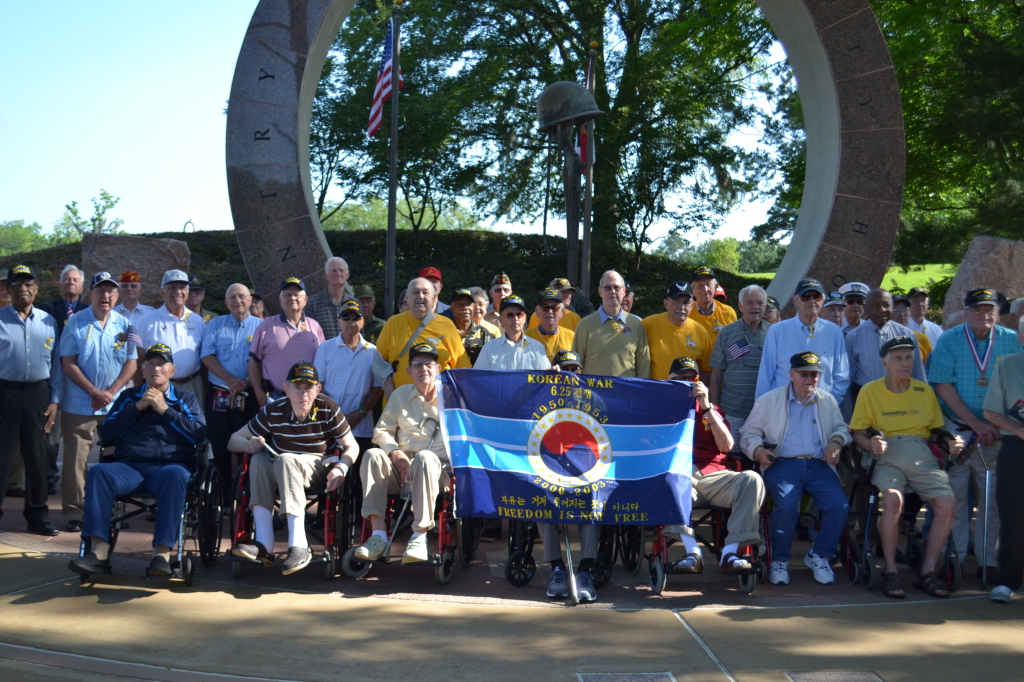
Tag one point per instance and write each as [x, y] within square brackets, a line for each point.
[588, 200]
[392, 247]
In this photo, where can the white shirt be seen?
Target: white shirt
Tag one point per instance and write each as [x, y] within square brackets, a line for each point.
[183, 336]
[135, 316]
[501, 353]
[347, 377]
[926, 327]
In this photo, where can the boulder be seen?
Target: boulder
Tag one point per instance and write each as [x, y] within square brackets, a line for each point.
[151, 258]
[990, 262]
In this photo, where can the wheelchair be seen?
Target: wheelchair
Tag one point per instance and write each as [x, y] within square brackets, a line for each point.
[521, 567]
[202, 519]
[456, 537]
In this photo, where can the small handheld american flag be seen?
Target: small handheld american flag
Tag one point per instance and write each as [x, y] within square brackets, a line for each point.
[382, 90]
[738, 349]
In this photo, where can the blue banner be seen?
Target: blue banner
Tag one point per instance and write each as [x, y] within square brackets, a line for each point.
[558, 447]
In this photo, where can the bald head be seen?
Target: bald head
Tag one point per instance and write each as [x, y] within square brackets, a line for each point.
[421, 297]
[238, 300]
[879, 306]
[613, 290]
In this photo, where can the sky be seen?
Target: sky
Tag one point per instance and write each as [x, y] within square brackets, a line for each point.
[129, 97]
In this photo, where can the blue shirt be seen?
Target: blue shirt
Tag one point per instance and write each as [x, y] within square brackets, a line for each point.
[101, 351]
[228, 340]
[789, 337]
[604, 317]
[863, 343]
[951, 362]
[28, 349]
[803, 433]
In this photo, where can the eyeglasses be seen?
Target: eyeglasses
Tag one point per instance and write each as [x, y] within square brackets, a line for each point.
[351, 318]
[983, 310]
[513, 315]
[809, 375]
[613, 287]
[576, 369]
[22, 284]
[550, 308]
[810, 296]
[422, 365]
[295, 296]
[855, 300]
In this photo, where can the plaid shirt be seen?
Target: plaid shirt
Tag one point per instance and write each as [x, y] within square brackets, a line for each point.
[952, 362]
[739, 375]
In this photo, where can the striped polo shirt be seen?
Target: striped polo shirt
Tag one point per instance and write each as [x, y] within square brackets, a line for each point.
[317, 434]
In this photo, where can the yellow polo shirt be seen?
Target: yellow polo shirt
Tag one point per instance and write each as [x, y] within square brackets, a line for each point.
[668, 342]
[719, 317]
[569, 320]
[924, 345]
[560, 340]
[441, 332]
[915, 412]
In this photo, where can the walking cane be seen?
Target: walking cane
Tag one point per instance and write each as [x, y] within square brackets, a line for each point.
[984, 523]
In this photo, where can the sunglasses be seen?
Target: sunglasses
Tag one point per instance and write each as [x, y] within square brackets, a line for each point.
[810, 296]
[857, 300]
[351, 318]
[550, 308]
[422, 365]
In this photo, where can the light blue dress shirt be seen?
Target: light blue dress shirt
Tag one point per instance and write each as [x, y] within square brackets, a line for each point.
[604, 317]
[803, 433]
[28, 349]
[228, 340]
[862, 346]
[101, 351]
[789, 337]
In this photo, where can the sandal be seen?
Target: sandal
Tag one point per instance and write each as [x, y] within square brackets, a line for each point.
[891, 586]
[729, 568]
[927, 582]
[696, 566]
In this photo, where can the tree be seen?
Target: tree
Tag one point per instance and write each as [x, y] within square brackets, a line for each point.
[372, 214]
[17, 237]
[72, 226]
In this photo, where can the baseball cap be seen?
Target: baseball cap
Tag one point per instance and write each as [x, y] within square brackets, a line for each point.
[196, 283]
[292, 282]
[677, 289]
[563, 358]
[21, 271]
[549, 294]
[854, 289]
[430, 272]
[900, 298]
[303, 371]
[129, 276]
[917, 291]
[159, 350]
[720, 293]
[894, 343]
[256, 295]
[562, 284]
[363, 291]
[835, 298]
[350, 305]
[773, 303]
[424, 349]
[976, 297]
[173, 277]
[510, 301]
[501, 278]
[462, 293]
[809, 284]
[701, 271]
[680, 365]
[101, 277]
[806, 362]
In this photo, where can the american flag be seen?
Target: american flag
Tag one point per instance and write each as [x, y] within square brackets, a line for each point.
[133, 337]
[582, 146]
[382, 90]
[738, 349]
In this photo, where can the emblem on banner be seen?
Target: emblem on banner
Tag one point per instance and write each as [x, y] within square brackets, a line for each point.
[569, 448]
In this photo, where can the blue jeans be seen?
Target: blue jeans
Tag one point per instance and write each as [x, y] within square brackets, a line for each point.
[168, 483]
[787, 480]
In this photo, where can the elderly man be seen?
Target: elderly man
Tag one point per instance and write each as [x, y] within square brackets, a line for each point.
[154, 429]
[418, 325]
[854, 296]
[281, 341]
[960, 370]
[772, 311]
[129, 286]
[918, 298]
[474, 335]
[713, 482]
[230, 404]
[1012, 317]
[479, 309]
[567, 361]
[1004, 407]
[178, 328]
[372, 325]
[901, 315]
[569, 319]
[550, 310]
[736, 358]
[709, 313]
[864, 341]
[99, 358]
[324, 307]
[805, 332]
[796, 432]
[833, 308]
[196, 296]
[629, 299]
[905, 411]
[501, 286]
[30, 390]
[433, 275]
[292, 442]
[256, 308]
[345, 366]
[513, 349]
[674, 333]
[610, 341]
[411, 453]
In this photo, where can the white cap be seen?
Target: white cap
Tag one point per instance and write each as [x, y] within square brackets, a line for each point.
[856, 288]
[172, 276]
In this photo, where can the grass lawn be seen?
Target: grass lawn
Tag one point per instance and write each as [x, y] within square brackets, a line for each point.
[919, 275]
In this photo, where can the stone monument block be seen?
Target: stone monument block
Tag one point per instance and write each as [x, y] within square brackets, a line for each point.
[151, 258]
[991, 262]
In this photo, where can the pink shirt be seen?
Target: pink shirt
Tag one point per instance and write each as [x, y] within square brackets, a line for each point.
[279, 345]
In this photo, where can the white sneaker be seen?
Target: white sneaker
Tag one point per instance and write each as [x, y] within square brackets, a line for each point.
[372, 549]
[779, 573]
[821, 568]
[416, 551]
[1001, 594]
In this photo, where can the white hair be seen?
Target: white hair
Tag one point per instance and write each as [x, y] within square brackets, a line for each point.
[749, 289]
[236, 284]
[600, 282]
[477, 291]
[327, 265]
[1017, 307]
[1020, 324]
[68, 268]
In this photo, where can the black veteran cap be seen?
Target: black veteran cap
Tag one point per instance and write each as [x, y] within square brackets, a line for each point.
[835, 298]
[562, 284]
[159, 350]
[701, 271]
[806, 362]
[629, 287]
[976, 297]
[423, 349]
[773, 303]
[809, 284]
[350, 305]
[196, 283]
[894, 343]
[293, 282]
[564, 358]
[549, 294]
[100, 278]
[917, 291]
[256, 295]
[680, 365]
[303, 371]
[678, 289]
[21, 271]
[461, 293]
[900, 298]
[513, 300]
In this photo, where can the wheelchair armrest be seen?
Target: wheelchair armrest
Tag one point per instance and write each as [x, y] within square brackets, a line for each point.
[739, 461]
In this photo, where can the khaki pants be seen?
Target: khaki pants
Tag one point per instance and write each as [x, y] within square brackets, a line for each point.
[960, 480]
[549, 532]
[290, 473]
[77, 432]
[379, 481]
[740, 491]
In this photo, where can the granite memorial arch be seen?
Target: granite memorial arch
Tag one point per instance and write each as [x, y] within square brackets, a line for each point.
[847, 86]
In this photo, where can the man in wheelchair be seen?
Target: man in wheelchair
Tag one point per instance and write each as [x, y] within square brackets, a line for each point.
[714, 484]
[292, 441]
[411, 455]
[154, 430]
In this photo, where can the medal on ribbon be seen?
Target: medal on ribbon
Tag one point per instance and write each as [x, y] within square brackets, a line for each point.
[982, 363]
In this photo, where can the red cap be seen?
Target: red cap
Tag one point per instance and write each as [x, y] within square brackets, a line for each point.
[130, 276]
[720, 293]
[431, 272]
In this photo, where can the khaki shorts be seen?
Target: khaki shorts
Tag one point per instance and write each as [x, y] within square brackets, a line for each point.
[908, 462]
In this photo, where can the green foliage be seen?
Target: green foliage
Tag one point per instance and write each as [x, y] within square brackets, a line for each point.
[17, 237]
[724, 254]
[372, 214]
[72, 226]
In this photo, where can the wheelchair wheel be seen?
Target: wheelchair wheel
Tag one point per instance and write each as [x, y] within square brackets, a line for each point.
[748, 581]
[115, 528]
[443, 571]
[188, 569]
[631, 547]
[850, 552]
[468, 531]
[657, 578]
[871, 574]
[352, 567]
[520, 568]
[602, 571]
[236, 569]
[951, 573]
[210, 518]
[915, 554]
